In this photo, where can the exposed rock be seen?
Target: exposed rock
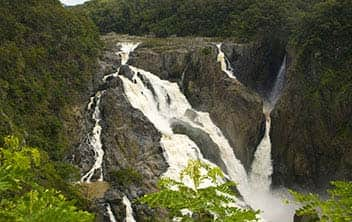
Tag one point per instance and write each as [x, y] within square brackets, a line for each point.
[126, 72]
[206, 145]
[310, 146]
[130, 142]
[236, 110]
[305, 218]
[256, 64]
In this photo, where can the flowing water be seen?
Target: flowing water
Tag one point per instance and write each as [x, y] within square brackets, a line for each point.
[110, 213]
[261, 197]
[129, 210]
[94, 140]
[225, 64]
[163, 103]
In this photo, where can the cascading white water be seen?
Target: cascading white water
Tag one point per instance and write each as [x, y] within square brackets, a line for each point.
[129, 210]
[165, 103]
[95, 138]
[162, 102]
[278, 84]
[124, 53]
[95, 141]
[110, 214]
[262, 169]
[225, 63]
[261, 197]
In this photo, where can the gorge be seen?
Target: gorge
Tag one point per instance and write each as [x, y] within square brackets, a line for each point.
[99, 102]
[190, 134]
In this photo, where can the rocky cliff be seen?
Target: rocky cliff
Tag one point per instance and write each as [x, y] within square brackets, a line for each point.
[311, 128]
[234, 108]
[308, 149]
[133, 159]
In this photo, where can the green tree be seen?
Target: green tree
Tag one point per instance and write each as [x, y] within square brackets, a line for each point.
[22, 198]
[211, 203]
[47, 58]
[337, 208]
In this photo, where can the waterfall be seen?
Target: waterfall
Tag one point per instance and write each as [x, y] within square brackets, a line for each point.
[225, 63]
[262, 197]
[163, 103]
[278, 84]
[129, 210]
[124, 53]
[262, 169]
[110, 214]
[94, 140]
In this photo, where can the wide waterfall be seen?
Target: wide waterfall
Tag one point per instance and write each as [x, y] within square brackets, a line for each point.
[163, 103]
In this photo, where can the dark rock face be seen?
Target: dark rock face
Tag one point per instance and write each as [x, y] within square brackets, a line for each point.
[130, 143]
[308, 146]
[305, 218]
[235, 109]
[206, 145]
[256, 64]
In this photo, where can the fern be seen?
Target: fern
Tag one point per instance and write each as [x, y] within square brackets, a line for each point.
[212, 203]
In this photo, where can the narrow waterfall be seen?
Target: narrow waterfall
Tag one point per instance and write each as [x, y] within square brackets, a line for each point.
[278, 84]
[261, 170]
[260, 196]
[110, 214]
[124, 53]
[129, 210]
[225, 63]
[94, 140]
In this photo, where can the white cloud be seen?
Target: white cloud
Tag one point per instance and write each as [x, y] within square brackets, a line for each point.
[73, 2]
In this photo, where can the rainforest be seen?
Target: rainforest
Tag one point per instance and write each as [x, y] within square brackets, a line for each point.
[189, 110]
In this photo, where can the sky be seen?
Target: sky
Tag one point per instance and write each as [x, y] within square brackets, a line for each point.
[73, 2]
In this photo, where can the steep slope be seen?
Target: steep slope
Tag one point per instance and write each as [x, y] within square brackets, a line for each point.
[133, 155]
[312, 125]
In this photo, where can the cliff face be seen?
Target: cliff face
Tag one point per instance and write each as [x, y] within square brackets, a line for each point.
[311, 130]
[234, 108]
[307, 146]
[256, 64]
[133, 159]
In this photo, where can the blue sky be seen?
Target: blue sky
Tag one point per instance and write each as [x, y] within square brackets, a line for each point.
[73, 2]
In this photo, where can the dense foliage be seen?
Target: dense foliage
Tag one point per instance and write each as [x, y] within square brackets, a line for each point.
[25, 194]
[338, 207]
[47, 56]
[197, 201]
[241, 18]
[323, 78]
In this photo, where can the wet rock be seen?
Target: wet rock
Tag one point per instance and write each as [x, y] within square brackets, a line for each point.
[235, 109]
[126, 72]
[131, 143]
[305, 218]
[256, 64]
[208, 148]
[308, 149]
